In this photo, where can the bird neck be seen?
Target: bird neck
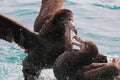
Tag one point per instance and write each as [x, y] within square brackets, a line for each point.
[53, 32]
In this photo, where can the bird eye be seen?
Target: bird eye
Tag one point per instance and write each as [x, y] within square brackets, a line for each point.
[70, 19]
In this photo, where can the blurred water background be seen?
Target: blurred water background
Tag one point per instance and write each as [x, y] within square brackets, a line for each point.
[96, 20]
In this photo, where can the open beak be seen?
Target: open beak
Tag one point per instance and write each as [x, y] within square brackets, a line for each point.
[81, 44]
[77, 44]
[78, 39]
[70, 26]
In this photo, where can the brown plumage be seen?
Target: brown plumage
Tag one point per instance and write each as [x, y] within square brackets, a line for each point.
[69, 62]
[48, 9]
[100, 71]
[44, 47]
[78, 64]
[101, 59]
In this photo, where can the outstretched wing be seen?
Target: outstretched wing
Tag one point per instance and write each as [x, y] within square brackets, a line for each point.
[48, 9]
[10, 30]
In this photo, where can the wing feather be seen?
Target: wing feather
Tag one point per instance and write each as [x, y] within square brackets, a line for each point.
[48, 9]
[12, 31]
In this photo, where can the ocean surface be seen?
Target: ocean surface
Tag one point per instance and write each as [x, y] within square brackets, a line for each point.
[96, 20]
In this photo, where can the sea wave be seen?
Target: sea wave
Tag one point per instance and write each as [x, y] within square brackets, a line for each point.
[113, 7]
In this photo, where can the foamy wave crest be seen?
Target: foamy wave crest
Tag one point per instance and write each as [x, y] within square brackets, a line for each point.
[113, 7]
[10, 71]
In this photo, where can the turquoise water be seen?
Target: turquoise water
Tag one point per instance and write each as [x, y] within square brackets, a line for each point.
[96, 20]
